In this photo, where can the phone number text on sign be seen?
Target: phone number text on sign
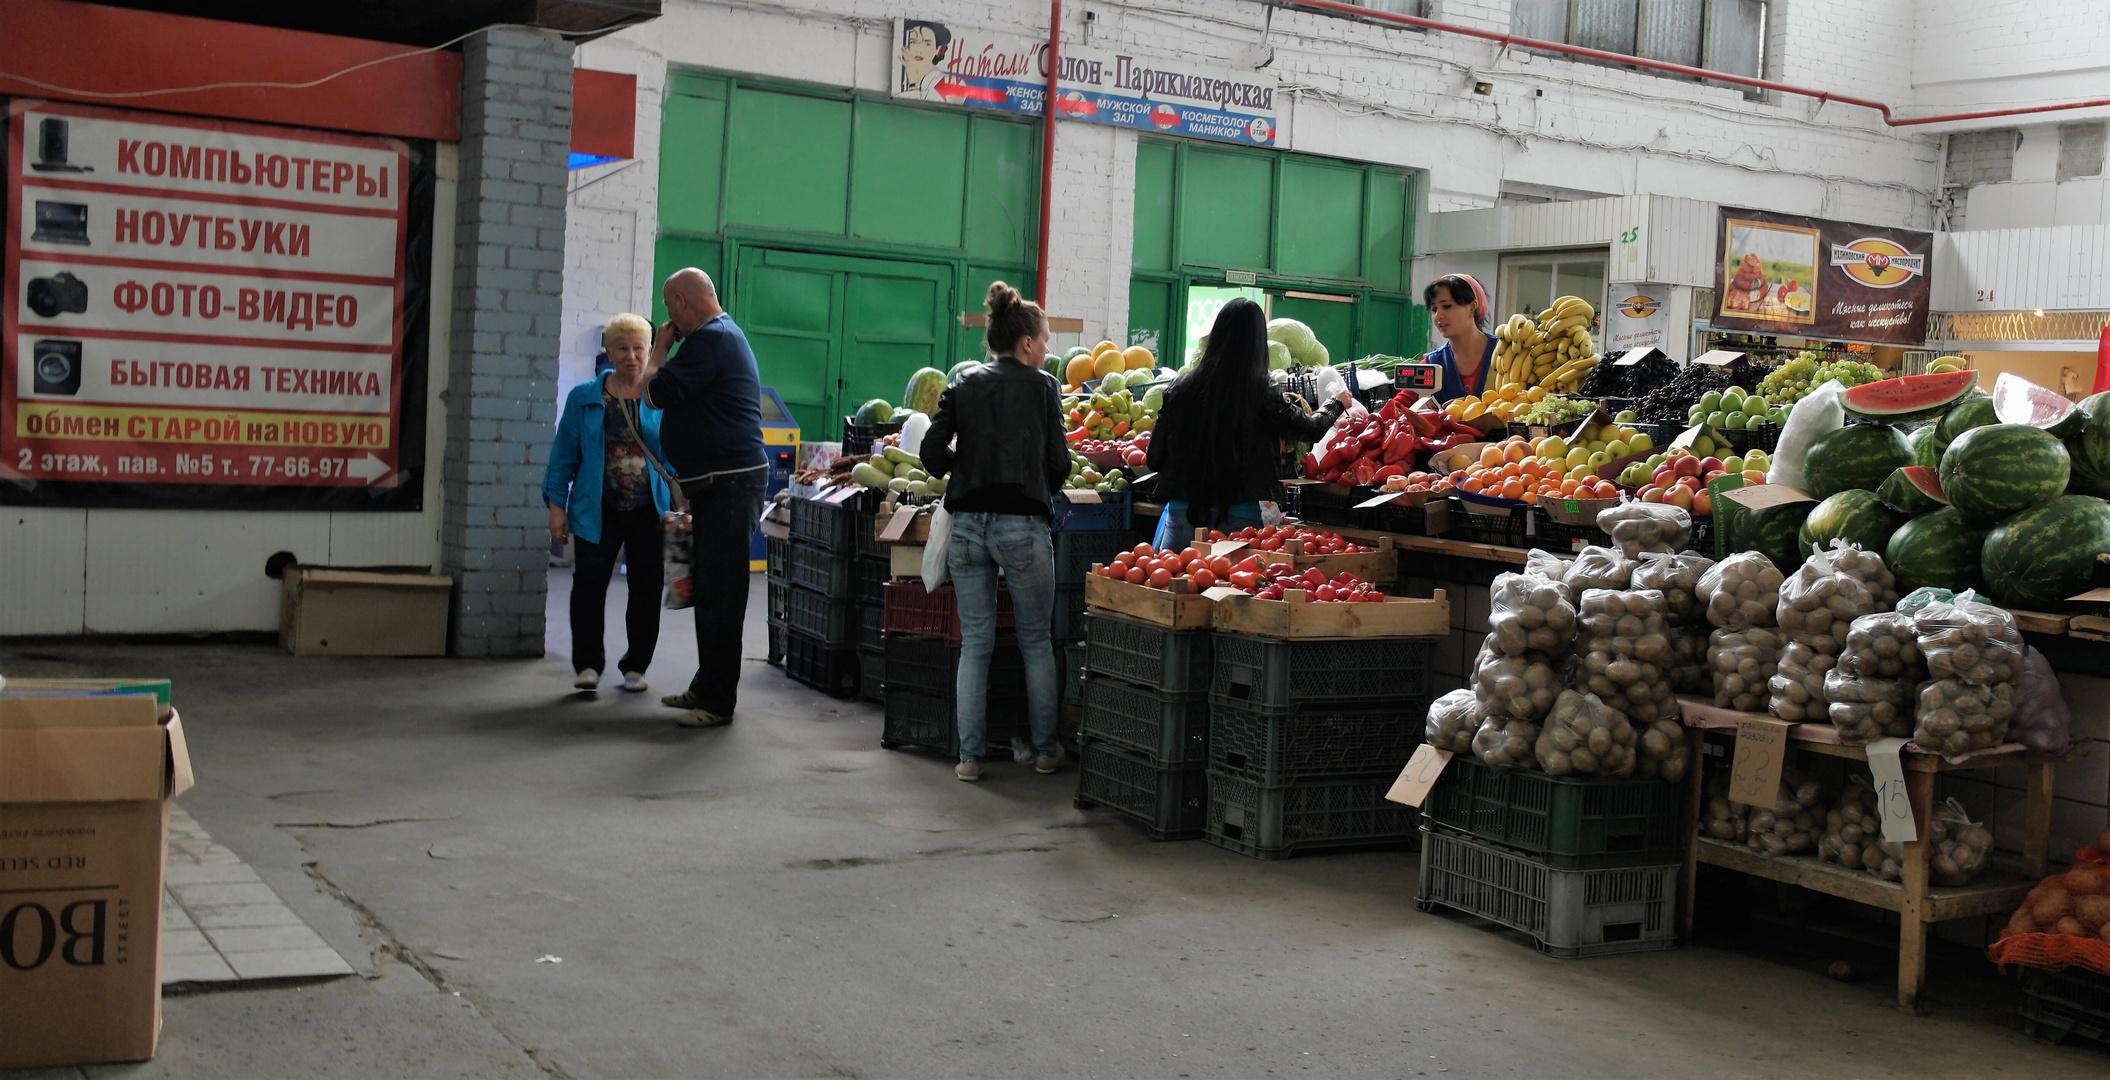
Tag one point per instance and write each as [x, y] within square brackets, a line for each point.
[204, 302]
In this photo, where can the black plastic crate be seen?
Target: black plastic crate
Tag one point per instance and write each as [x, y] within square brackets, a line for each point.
[1174, 661]
[920, 720]
[774, 634]
[1171, 804]
[869, 577]
[1275, 747]
[779, 591]
[824, 525]
[2056, 1004]
[1067, 622]
[1172, 730]
[779, 557]
[1076, 551]
[832, 671]
[860, 438]
[1276, 822]
[1072, 674]
[1570, 823]
[930, 666]
[871, 674]
[1515, 529]
[825, 619]
[819, 569]
[871, 628]
[864, 537]
[1745, 440]
[1568, 913]
[1279, 673]
[1324, 504]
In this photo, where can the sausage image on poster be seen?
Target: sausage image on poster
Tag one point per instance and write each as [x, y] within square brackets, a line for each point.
[1783, 273]
[212, 314]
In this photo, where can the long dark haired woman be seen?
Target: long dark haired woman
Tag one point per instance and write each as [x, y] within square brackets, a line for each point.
[1216, 444]
[1010, 462]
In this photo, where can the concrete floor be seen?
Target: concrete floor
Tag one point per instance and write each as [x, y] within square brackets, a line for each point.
[784, 898]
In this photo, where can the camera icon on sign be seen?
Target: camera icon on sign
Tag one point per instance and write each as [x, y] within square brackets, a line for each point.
[58, 294]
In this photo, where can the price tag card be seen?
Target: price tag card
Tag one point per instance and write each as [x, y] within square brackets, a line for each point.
[1635, 356]
[1761, 753]
[841, 495]
[1892, 800]
[897, 526]
[1379, 500]
[1224, 547]
[1761, 496]
[1689, 436]
[1412, 787]
[1081, 496]
[1718, 358]
[1222, 592]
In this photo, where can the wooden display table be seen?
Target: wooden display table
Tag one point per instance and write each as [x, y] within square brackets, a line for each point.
[1917, 902]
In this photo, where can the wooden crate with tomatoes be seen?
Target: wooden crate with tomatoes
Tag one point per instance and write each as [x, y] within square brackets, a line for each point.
[1302, 548]
[1299, 614]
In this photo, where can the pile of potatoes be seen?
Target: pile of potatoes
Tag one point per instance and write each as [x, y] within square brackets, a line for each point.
[1530, 613]
[2075, 903]
[1599, 568]
[1677, 577]
[1688, 660]
[1798, 683]
[1867, 568]
[1884, 645]
[1452, 720]
[1865, 709]
[1627, 622]
[1583, 736]
[1720, 818]
[1853, 829]
[1507, 744]
[1639, 527]
[1972, 642]
[1818, 603]
[1744, 662]
[1516, 687]
[1741, 590]
[1957, 846]
[1790, 824]
[1957, 717]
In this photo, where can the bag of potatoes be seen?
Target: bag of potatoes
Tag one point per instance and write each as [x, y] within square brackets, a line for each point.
[1720, 818]
[1637, 527]
[1530, 613]
[1518, 687]
[1599, 568]
[1583, 736]
[1507, 744]
[1818, 601]
[1744, 661]
[1970, 641]
[1739, 591]
[1852, 827]
[1452, 720]
[1677, 577]
[1790, 824]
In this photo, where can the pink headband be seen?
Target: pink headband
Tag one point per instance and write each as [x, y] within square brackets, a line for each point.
[1479, 294]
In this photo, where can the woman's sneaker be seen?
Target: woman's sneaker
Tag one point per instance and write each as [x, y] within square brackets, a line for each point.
[634, 681]
[969, 771]
[1045, 764]
[588, 680]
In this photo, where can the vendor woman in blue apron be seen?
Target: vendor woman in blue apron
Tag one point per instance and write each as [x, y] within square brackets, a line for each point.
[1459, 309]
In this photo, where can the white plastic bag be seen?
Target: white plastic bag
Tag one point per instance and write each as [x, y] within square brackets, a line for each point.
[2042, 721]
[936, 549]
[1819, 413]
[912, 434]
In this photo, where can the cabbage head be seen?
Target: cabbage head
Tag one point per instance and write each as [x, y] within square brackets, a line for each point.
[1304, 347]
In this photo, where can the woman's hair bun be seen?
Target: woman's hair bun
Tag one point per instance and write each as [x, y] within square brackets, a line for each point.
[1000, 297]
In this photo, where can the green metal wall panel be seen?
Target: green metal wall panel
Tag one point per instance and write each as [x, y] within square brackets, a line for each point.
[908, 173]
[1003, 186]
[1150, 311]
[672, 253]
[788, 162]
[792, 317]
[1154, 203]
[1385, 232]
[1384, 328]
[1227, 204]
[896, 321]
[690, 166]
[1320, 230]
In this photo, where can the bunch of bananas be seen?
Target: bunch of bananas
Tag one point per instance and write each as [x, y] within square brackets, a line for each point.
[1552, 351]
[1940, 363]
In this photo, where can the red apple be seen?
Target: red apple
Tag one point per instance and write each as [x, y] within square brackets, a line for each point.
[1710, 465]
[1687, 466]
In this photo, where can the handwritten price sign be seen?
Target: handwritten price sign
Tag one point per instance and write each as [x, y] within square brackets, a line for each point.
[1412, 787]
[1892, 799]
[1761, 754]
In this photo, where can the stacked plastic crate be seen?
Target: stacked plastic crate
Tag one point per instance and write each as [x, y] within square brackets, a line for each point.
[1075, 552]
[820, 610]
[921, 653]
[1305, 738]
[777, 588]
[1583, 866]
[1144, 740]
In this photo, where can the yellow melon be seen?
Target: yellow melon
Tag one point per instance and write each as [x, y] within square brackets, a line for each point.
[1078, 370]
[1103, 346]
[1136, 356]
[1107, 363]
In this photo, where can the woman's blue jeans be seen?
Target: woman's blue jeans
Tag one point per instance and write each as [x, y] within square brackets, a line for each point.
[1020, 545]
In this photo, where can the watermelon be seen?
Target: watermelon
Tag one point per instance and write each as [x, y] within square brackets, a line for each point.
[1924, 452]
[1910, 397]
[1856, 516]
[2045, 554]
[1914, 489]
[2017, 400]
[959, 369]
[923, 390]
[1938, 550]
[2090, 447]
[1775, 532]
[875, 411]
[1975, 410]
[1992, 472]
[1855, 456]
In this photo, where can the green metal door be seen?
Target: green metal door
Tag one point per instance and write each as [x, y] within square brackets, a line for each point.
[831, 332]
[1332, 321]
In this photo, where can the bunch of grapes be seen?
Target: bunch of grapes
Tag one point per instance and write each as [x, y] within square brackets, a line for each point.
[1791, 381]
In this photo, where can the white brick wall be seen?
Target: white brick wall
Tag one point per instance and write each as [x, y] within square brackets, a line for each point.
[611, 215]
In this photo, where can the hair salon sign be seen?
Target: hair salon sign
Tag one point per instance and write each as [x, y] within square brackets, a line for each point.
[935, 61]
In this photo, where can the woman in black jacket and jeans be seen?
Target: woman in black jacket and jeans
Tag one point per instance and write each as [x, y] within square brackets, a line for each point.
[1010, 462]
[1216, 444]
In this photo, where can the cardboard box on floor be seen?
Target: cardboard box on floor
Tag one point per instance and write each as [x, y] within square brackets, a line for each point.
[329, 612]
[85, 781]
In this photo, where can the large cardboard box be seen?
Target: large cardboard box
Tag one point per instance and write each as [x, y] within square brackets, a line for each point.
[85, 780]
[363, 613]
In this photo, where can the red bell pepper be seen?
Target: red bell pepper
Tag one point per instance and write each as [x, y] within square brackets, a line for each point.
[1386, 472]
[1365, 471]
[1400, 446]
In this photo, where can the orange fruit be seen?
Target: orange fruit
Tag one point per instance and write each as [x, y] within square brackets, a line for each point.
[1531, 496]
[1515, 450]
[1078, 370]
[1513, 489]
[1136, 356]
[1470, 485]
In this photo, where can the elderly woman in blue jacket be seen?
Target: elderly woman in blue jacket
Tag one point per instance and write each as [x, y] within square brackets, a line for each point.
[604, 491]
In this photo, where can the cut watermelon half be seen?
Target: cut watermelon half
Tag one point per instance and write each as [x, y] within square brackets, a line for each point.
[2017, 400]
[1912, 489]
[1910, 397]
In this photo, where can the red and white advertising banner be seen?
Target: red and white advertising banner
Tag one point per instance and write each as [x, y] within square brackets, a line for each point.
[201, 302]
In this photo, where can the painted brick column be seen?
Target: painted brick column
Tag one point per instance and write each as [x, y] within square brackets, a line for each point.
[508, 310]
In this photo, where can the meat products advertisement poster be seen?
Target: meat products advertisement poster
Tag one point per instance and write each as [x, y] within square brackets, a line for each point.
[208, 314]
[1808, 277]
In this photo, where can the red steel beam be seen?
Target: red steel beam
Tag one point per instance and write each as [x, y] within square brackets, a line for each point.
[1047, 148]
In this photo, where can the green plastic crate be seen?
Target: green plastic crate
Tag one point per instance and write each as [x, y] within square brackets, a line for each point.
[1571, 823]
